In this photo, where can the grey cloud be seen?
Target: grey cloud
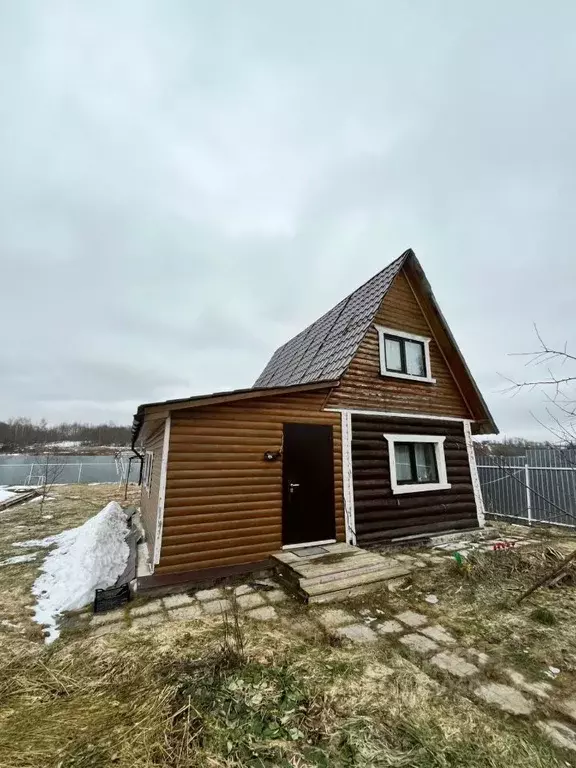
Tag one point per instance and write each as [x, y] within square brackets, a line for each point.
[184, 187]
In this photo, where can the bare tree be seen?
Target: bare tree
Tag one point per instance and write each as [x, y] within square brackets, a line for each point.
[558, 384]
[51, 470]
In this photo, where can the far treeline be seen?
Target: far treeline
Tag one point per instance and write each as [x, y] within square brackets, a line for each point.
[516, 446]
[22, 433]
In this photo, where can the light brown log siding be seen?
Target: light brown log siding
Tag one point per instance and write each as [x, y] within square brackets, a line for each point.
[363, 386]
[379, 514]
[149, 501]
[223, 501]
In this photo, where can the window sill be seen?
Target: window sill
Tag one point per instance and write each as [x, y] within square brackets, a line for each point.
[421, 487]
[408, 377]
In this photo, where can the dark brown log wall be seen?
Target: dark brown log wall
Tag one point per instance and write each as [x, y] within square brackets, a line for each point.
[364, 387]
[379, 514]
[223, 501]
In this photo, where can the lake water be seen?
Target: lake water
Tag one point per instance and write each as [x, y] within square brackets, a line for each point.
[27, 469]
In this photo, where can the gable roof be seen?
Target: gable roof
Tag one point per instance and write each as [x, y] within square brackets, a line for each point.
[325, 349]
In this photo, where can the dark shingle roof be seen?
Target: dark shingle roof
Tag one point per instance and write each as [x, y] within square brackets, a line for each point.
[324, 349]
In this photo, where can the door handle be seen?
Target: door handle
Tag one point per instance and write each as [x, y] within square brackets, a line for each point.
[294, 485]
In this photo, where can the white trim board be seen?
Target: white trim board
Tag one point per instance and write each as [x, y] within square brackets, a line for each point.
[393, 414]
[162, 492]
[348, 478]
[438, 443]
[305, 544]
[478, 498]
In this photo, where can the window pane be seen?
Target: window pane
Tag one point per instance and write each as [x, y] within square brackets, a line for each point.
[403, 464]
[414, 351]
[426, 468]
[393, 355]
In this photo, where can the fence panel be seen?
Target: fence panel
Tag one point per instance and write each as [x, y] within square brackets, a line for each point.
[539, 487]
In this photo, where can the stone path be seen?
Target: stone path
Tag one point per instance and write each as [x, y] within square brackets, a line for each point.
[427, 642]
[257, 604]
[434, 648]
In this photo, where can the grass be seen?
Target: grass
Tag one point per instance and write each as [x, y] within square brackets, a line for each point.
[227, 692]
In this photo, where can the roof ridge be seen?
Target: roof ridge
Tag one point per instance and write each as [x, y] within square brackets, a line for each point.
[324, 346]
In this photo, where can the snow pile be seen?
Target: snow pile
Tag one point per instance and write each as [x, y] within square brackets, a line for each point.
[19, 559]
[85, 559]
[5, 495]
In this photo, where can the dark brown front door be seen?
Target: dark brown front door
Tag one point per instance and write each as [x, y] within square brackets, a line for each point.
[307, 484]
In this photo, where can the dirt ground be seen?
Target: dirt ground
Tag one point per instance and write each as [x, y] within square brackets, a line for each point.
[228, 691]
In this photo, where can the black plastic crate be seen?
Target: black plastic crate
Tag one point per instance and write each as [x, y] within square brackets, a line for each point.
[113, 597]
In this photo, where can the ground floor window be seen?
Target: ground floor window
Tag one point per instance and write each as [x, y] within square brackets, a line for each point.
[417, 463]
[147, 470]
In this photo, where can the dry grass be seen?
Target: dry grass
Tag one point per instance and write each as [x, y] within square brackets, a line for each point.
[223, 693]
[182, 699]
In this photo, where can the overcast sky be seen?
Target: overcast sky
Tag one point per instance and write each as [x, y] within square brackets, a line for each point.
[186, 185]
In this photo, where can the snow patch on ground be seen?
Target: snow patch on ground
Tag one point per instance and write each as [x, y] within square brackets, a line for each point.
[87, 558]
[20, 559]
[5, 495]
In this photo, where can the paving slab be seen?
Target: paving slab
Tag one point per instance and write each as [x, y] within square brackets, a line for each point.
[478, 657]
[144, 610]
[505, 698]
[438, 634]
[377, 671]
[412, 619]
[540, 690]
[243, 589]
[568, 708]
[108, 629]
[250, 601]
[335, 617]
[266, 613]
[395, 584]
[558, 733]
[419, 644]
[175, 601]
[391, 627]
[208, 594]
[98, 619]
[215, 607]
[358, 633]
[143, 622]
[186, 612]
[454, 664]
[275, 596]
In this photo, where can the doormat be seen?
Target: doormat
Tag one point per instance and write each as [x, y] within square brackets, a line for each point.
[310, 551]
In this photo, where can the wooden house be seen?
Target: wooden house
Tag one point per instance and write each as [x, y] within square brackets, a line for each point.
[358, 430]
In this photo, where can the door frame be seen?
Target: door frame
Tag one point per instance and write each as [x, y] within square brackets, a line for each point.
[319, 542]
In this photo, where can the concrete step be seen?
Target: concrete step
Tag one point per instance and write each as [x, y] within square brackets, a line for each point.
[314, 592]
[311, 569]
[351, 573]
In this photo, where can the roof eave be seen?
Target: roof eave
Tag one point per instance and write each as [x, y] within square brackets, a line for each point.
[218, 398]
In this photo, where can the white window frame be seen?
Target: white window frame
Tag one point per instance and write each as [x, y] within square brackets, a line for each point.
[438, 442]
[425, 340]
[147, 470]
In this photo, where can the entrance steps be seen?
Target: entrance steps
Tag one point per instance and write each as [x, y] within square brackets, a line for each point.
[329, 572]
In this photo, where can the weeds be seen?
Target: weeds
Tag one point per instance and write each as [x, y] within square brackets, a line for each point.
[544, 616]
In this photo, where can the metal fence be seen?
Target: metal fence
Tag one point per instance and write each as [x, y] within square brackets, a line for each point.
[69, 469]
[539, 487]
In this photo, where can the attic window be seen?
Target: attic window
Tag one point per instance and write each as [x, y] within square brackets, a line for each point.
[404, 355]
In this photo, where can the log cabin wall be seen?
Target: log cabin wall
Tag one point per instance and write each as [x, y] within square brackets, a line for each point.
[379, 514]
[149, 500]
[223, 503]
[364, 387]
